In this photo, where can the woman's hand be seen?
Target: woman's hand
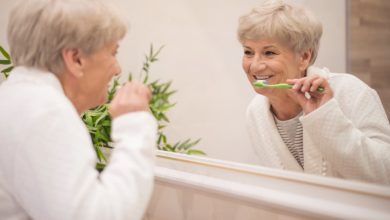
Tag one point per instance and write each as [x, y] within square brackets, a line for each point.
[310, 84]
[133, 96]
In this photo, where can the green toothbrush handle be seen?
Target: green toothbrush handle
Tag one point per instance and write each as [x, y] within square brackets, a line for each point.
[281, 86]
[320, 89]
[288, 86]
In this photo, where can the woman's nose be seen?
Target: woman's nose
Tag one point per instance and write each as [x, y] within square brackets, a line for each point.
[258, 65]
[118, 69]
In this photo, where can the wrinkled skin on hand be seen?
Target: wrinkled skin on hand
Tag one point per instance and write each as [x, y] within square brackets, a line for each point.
[310, 85]
[131, 97]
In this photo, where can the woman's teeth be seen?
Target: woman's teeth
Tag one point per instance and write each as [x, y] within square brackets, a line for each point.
[261, 77]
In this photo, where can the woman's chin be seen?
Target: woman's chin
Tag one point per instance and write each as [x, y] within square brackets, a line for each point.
[101, 101]
[261, 91]
[268, 92]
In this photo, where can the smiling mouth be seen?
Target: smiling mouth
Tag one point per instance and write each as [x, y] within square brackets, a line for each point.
[257, 77]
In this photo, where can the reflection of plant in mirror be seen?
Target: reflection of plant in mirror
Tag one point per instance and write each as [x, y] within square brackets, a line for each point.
[6, 61]
[98, 120]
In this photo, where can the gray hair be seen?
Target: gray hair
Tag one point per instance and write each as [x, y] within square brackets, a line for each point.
[291, 24]
[38, 30]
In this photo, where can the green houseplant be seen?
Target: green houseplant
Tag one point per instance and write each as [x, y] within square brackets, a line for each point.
[98, 121]
[6, 62]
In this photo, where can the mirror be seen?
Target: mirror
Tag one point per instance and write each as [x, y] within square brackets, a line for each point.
[202, 57]
[188, 187]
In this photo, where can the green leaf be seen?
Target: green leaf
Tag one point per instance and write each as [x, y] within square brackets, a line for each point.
[91, 128]
[159, 139]
[161, 127]
[105, 136]
[7, 70]
[176, 146]
[5, 62]
[165, 107]
[92, 113]
[100, 134]
[168, 147]
[164, 138]
[88, 119]
[146, 78]
[100, 154]
[101, 117]
[113, 89]
[182, 145]
[166, 86]
[100, 166]
[195, 152]
[151, 50]
[106, 123]
[189, 145]
[163, 117]
[171, 93]
[5, 54]
[130, 78]
[158, 51]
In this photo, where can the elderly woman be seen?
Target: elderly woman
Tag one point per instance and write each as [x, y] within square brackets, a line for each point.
[339, 130]
[64, 56]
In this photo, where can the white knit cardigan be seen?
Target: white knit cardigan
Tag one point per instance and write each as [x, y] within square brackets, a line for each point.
[47, 161]
[348, 137]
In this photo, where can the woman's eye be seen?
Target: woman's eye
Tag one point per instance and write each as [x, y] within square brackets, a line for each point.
[269, 53]
[248, 52]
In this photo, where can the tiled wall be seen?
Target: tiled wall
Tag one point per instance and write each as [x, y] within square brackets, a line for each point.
[369, 45]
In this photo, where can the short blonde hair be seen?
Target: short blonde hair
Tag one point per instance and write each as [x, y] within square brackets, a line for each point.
[38, 30]
[291, 24]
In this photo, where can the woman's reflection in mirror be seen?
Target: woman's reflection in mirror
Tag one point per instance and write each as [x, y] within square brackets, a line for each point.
[329, 124]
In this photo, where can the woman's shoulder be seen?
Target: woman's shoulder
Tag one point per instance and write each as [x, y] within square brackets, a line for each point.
[257, 100]
[34, 90]
[258, 105]
[346, 84]
[341, 81]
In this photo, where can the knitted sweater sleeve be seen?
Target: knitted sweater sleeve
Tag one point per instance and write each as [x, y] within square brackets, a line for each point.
[353, 134]
[55, 178]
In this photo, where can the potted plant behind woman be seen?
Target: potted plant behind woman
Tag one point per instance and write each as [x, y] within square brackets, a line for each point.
[98, 120]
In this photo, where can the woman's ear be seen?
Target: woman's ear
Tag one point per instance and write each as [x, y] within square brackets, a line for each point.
[72, 61]
[304, 59]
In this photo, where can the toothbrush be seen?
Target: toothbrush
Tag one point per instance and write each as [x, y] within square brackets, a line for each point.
[263, 83]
